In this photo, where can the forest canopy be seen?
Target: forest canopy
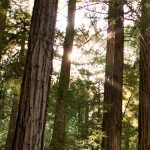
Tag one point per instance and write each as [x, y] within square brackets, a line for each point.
[74, 75]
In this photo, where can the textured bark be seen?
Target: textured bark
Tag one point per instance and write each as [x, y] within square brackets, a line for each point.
[144, 89]
[113, 77]
[35, 83]
[58, 137]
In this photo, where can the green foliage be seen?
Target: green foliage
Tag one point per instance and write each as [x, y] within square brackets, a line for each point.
[85, 94]
[50, 114]
[7, 92]
[130, 91]
[13, 51]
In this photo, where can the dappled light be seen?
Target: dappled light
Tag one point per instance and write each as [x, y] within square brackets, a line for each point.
[74, 75]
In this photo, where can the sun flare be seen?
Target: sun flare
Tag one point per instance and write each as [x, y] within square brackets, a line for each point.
[76, 54]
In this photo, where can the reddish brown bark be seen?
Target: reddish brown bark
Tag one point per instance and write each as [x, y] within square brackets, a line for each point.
[35, 85]
[58, 137]
[14, 111]
[113, 78]
[12, 124]
[144, 89]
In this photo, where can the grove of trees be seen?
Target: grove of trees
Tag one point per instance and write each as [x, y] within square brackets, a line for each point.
[75, 75]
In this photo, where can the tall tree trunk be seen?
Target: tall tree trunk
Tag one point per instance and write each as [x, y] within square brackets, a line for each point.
[114, 77]
[35, 83]
[4, 4]
[58, 137]
[14, 111]
[144, 89]
[12, 124]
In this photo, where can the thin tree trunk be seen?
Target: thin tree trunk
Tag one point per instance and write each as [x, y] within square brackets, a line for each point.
[114, 77]
[144, 89]
[14, 112]
[58, 137]
[35, 83]
[12, 124]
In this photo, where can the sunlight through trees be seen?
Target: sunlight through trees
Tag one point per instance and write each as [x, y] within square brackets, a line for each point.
[74, 75]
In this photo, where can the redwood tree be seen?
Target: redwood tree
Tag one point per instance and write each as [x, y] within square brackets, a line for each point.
[12, 124]
[113, 77]
[15, 102]
[58, 137]
[36, 79]
[144, 89]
